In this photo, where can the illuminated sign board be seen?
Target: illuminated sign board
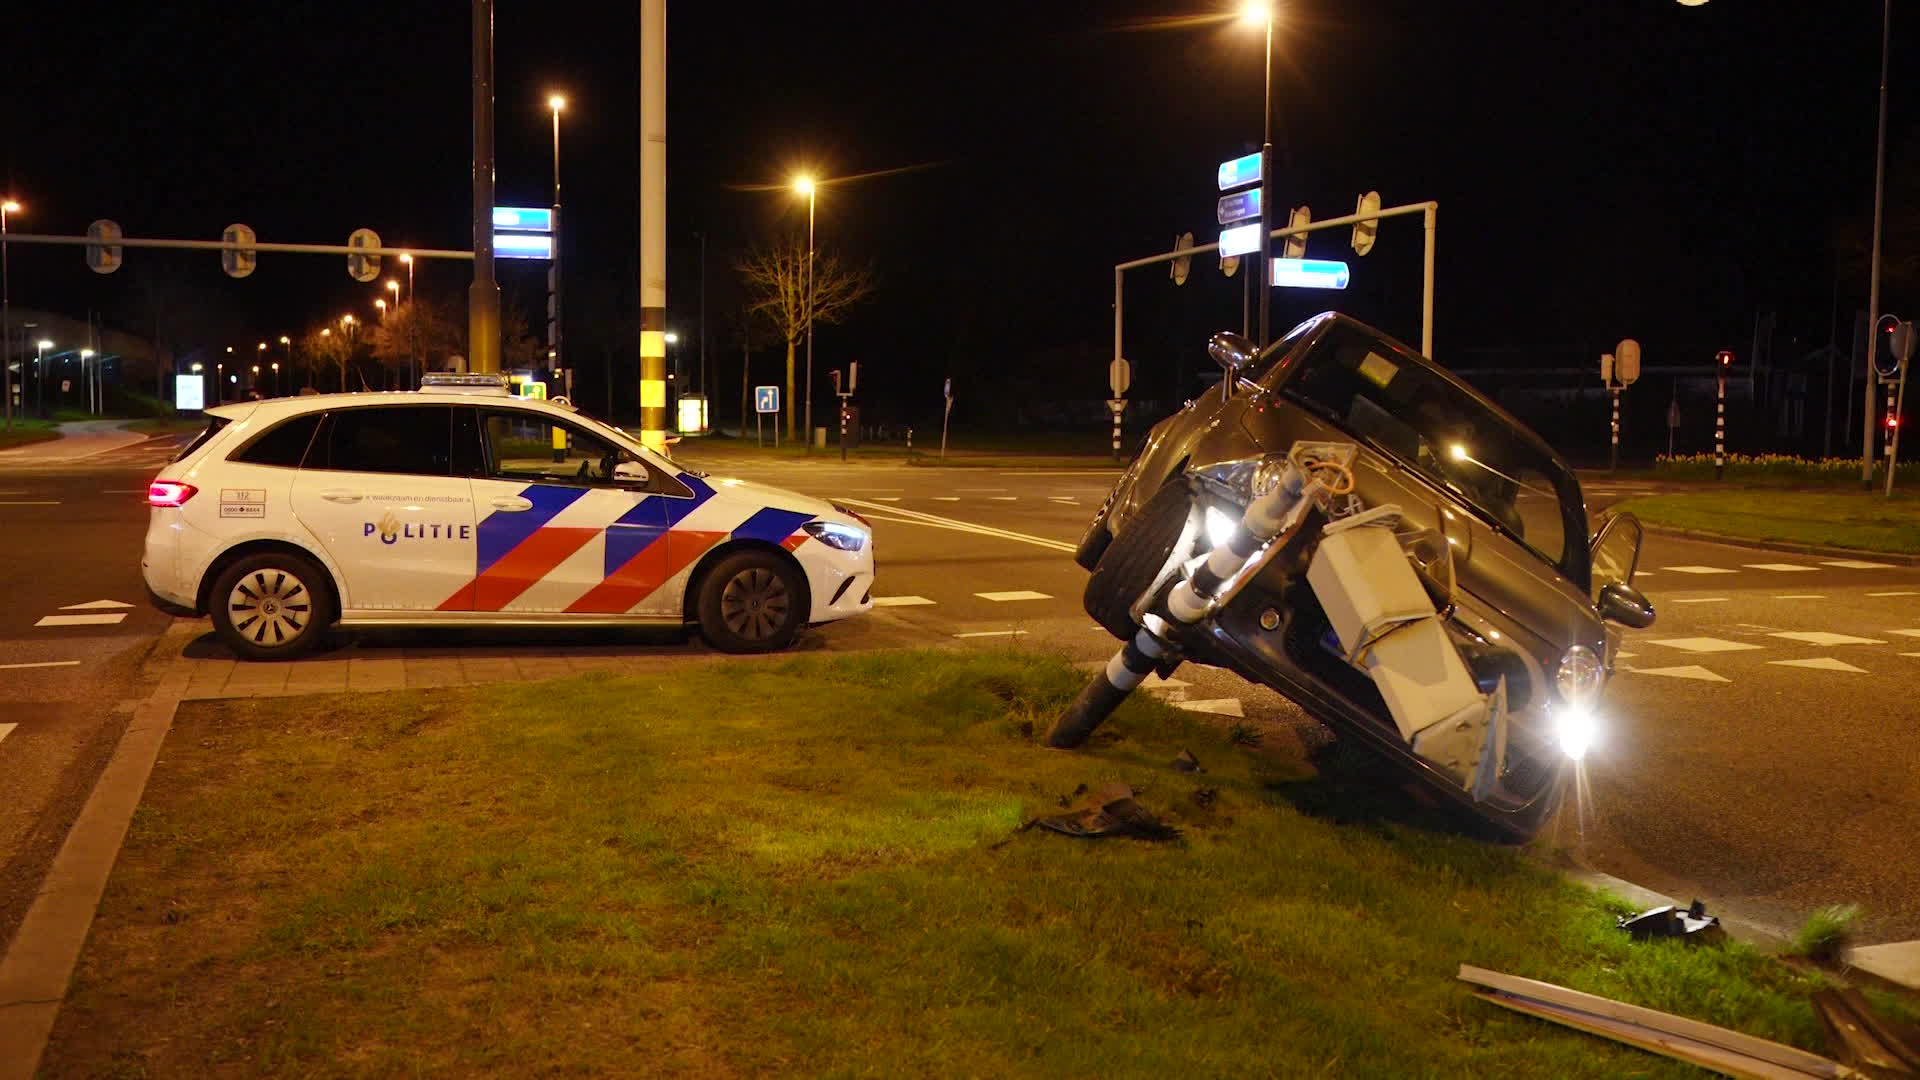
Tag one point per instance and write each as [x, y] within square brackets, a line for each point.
[189, 392]
[1240, 239]
[523, 218]
[522, 246]
[1241, 170]
[1309, 274]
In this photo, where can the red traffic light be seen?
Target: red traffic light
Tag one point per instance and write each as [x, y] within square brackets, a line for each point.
[1892, 421]
[1724, 357]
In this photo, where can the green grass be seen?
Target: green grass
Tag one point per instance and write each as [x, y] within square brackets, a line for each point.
[1864, 520]
[1779, 470]
[26, 431]
[811, 868]
[1827, 933]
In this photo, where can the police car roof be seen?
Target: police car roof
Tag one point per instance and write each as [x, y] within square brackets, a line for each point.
[288, 406]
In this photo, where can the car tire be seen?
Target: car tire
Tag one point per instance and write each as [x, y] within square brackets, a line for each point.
[271, 606]
[752, 602]
[1136, 557]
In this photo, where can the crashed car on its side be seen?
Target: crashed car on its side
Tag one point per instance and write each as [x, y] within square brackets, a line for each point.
[1508, 649]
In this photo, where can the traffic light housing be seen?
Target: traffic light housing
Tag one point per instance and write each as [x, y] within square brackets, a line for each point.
[1724, 358]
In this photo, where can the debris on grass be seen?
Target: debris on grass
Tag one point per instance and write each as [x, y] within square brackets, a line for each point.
[1689, 924]
[1827, 933]
[1186, 762]
[1112, 811]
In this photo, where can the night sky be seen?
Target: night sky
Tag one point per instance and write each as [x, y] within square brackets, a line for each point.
[1635, 168]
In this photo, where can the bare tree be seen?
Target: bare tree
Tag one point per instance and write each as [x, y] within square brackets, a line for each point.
[324, 348]
[776, 283]
[410, 337]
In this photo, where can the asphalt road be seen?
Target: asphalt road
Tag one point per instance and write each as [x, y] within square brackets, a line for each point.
[1766, 771]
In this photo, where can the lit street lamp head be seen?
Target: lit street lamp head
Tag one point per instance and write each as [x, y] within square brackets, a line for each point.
[803, 185]
[406, 258]
[556, 102]
[43, 344]
[262, 346]
[1256, 12]
[285, 340]
[10, 207]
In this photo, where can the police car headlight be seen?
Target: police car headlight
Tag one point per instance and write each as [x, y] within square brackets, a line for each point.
[835, 535]
[1579, 676]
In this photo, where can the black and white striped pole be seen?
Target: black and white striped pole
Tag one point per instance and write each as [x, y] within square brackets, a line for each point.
[1279, 510]
[1119, 379]
[1613, 451]
[1721, 362]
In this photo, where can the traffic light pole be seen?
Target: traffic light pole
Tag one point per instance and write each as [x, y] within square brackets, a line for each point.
[1720, 421]
[1613, 451]
[1896, 401]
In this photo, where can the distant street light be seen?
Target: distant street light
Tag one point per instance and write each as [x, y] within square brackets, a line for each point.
[85, 381]
[198, 367]
[39, 376]
[381, 305]
[288, 342]
[556, 102]
[276, 378]
[394, 288]
[6, 312]
[803, 185]
[408, 259]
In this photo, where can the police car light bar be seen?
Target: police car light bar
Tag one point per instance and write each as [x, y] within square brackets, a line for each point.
[450, 383]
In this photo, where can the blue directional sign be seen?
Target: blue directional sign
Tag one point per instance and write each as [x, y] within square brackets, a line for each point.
[522, 246]
[523, 218]
[1309, 274]
[766, 399]
[1239, 171]
[1240, 240]
[1240, 206]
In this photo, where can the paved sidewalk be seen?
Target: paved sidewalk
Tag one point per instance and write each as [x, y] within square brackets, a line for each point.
[78, 439]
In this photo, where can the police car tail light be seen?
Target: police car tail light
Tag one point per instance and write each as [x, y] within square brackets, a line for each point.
[836, 535]
[169, 493]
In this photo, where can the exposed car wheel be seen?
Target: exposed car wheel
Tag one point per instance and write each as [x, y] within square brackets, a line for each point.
[1136, 557]
[752, 602]
[271, 606]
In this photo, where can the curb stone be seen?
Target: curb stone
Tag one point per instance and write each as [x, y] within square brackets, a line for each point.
[38, 966]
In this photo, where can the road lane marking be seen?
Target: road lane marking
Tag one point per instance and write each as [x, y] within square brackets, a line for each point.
[1004, 498]
[1015, 594]
[993, 633]
[1821, 637]
[1782, 567]
[28, 502]
[900, 601]
[1821, 663]
[1065, 472]
[1063, 499]
[1703, 644]
[1856, 564]
[106, 605]
[1802, 596]
[1910, 654]
[1699, 570]
[1903, 593]
[1701, 600]
[1624, 655]
[886, 498]
[1690, 671]
[980, 489]
[946, 498]
[1756, 626]
[1226, 706]
[43, 663]
[82, 620]
[1905, 633]
[6, 730]
[127, 491]
[917, 517]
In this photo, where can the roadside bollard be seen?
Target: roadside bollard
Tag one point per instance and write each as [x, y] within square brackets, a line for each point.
[1278, 511]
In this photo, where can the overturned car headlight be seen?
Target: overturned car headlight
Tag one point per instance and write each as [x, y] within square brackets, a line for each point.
[835, 535]
[1575, 728]
[1219, 526]
[1579, 676]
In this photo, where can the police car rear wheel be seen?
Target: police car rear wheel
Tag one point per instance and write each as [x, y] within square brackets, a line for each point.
[271, 606]
[752, 602]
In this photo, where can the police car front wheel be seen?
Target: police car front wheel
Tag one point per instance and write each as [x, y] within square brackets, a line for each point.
[753, 601]
[270, 606]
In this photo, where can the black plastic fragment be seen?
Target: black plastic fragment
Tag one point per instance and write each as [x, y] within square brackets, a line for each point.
[1691, 923]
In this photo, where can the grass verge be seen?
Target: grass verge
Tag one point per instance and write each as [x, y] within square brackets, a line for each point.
[810, 868]
[27, 431]
[1778, 470]
[1860, 519]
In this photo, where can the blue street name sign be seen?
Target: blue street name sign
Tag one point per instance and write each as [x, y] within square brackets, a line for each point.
[1309, 274]
[523, 218]
[1240, 240]
[522, 246]
[1241, 170]
[1241, 206]
[766, 399]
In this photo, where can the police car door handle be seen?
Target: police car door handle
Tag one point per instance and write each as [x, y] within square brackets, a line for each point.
[337, 495]
[511, 503]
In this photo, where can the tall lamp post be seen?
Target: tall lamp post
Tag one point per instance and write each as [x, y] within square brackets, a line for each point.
[6, 312]
[408, 260]
[1261, 13]
[1873, 283]
[288, 342]
[804, 185]
[555, 358]
[39, 375]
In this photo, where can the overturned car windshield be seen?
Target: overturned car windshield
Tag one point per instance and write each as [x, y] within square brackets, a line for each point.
[1447, 435]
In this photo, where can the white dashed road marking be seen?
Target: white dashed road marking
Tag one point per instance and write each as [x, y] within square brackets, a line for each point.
[1624, 655]
[1802, 596]
[946, 498]
[1821, 663]
[1004, 498]
[1905, 633]
[900, 601]
[1691, 671]
[993, 633]
[10, 503]
[1856, 564]
[1016, 594]
[6, 730]
[1906, 593]
[1062, 499]
[82, 620]
[1699, 569]
[1700, 600]
[1783, 567]
[99, 605]
[1821, 637]
[1702, 644]
[41, 664]
[1225, 706]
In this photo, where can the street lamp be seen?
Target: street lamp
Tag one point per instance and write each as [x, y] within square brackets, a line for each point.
[407, 258]
[803, 185]
[381, 305]
[1261, 13]
[6, 312]
[86, 355]
[276, 378]
[556, 102]
[288, 342]
[394, 288]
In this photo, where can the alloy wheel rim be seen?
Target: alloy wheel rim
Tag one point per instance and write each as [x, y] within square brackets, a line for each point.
[755, 604]
[270, 607]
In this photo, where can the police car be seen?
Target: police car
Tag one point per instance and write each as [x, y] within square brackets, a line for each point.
[462, 505]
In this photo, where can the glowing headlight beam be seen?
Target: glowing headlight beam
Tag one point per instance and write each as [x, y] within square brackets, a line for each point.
[1577, 729]
[1219, 527]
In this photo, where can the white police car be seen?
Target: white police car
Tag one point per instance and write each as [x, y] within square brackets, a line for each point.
[460, 505]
